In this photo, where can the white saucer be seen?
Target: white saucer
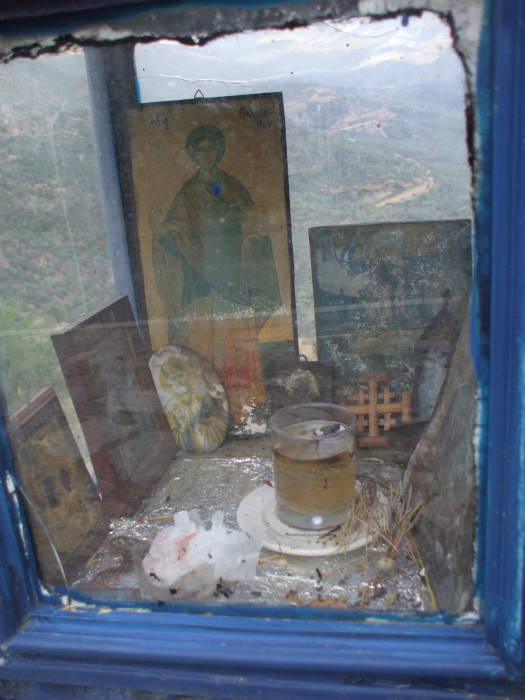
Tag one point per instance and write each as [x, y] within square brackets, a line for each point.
[256, 516]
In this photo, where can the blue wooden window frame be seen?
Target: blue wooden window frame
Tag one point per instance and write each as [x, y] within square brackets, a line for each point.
[248, 652]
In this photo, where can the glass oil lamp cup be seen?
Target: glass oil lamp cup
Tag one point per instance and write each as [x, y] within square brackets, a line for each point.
[313, 462]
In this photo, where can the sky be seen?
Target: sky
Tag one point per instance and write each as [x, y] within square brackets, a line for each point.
[333, 53]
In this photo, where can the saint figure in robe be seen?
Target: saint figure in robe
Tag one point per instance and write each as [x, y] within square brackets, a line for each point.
[216, 277]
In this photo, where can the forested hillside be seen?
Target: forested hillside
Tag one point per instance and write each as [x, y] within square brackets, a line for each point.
[53, 261]
[370, 157]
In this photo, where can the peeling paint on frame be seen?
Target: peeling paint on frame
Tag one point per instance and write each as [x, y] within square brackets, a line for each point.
[478, 681]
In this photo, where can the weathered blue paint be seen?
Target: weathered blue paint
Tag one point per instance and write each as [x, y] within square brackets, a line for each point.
[18, 582]
[258, 652]
[247, 611]
[48, 691]
[200, 654]
[481, 269]
[501, 224]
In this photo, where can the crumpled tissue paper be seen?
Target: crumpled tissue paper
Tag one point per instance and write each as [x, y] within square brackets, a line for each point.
[188, 560]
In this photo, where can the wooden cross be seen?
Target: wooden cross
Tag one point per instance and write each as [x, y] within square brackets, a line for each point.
[375, 409]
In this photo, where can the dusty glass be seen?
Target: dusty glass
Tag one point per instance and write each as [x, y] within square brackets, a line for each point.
[297, 216]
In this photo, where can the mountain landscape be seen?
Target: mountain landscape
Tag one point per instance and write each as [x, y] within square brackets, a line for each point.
[381, 138]
[54, 267]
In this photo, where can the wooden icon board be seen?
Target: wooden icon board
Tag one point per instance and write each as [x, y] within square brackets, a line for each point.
[377, 287]
[106, 370]
[61, 496]
[211, 238]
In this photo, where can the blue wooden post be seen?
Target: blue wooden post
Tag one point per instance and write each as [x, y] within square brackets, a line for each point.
[501, 229]
[18, 581]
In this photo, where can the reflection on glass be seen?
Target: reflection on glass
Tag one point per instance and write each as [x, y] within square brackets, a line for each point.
[55, 268]
[362, 164]
[375, 120]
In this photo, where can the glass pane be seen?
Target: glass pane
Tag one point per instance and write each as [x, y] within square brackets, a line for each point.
[382, 103]
[289, 375]
[55, 261]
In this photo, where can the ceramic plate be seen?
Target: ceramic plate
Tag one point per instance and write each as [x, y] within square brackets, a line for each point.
[192, 397]
[256, 515]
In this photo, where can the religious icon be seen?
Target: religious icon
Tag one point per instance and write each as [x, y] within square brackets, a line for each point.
[214, 239]
[66, 514]
[106, 370]
[377, 287]
[193, 399]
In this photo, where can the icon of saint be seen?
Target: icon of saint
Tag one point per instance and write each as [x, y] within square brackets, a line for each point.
[216, 277]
